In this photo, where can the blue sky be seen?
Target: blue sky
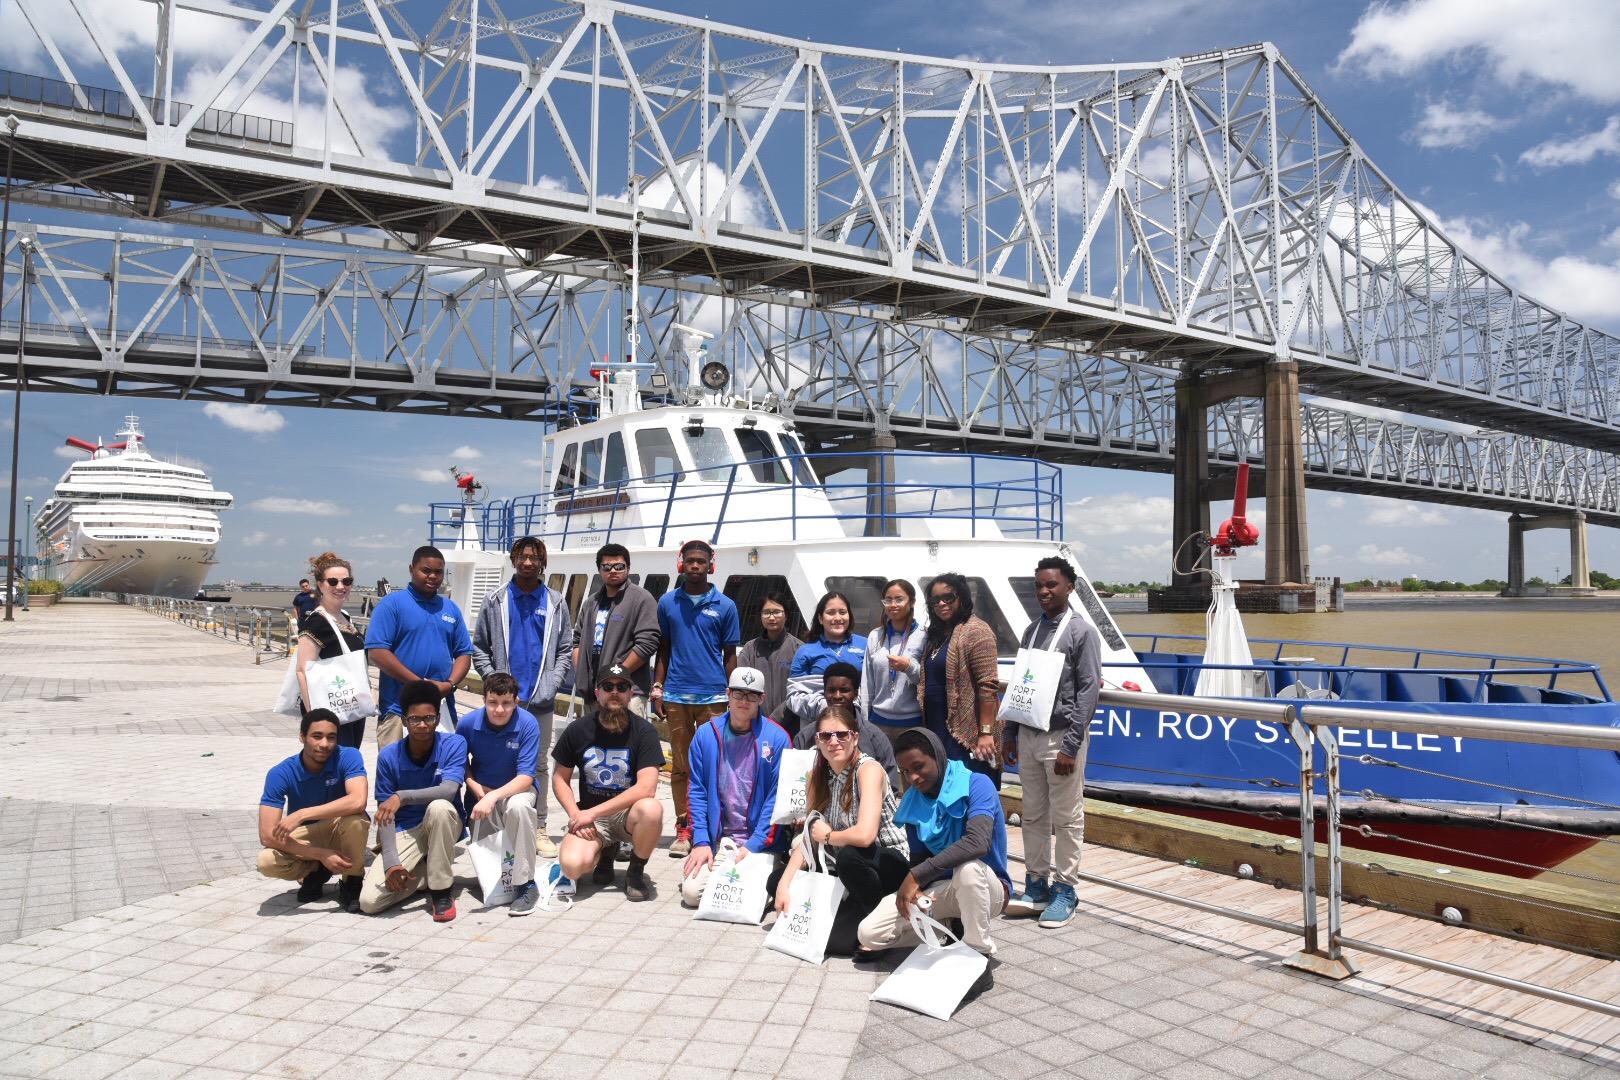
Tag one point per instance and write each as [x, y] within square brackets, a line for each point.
[1502, 117]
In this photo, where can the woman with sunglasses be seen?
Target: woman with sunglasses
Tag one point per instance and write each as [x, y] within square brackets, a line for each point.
[958, 690]
[868, 852]
[894, 662]
[318, 636]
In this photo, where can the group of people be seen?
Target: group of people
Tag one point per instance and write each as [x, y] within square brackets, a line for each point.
[905, 722]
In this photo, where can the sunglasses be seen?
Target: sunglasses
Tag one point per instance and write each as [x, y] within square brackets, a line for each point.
[943, 598]
[614, 567]
[345, 582]
[615, 687]
[834, 736]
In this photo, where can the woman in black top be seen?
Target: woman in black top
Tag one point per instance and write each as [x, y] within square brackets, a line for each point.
[318, 638]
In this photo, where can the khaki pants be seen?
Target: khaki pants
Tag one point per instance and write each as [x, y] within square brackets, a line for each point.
[513, 815]
[433, 842]
[390, 729]
[1054, 806]
[542, 773]
[345, 835]
[972, 893]
[683, 722]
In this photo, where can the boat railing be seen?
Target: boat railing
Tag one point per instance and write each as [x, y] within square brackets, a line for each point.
[1335, 662]
[1319, 792]
[1020, 497]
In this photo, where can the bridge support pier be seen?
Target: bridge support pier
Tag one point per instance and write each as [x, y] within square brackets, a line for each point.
[1580, 570]
[880, 498]
[1288, 549]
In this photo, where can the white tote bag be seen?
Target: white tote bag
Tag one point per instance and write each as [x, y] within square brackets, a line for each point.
[288, 701]
[937, 975]
[813, 899]
[792, 786]
[736, 890]
[340, 683]
[1033, 688]
[492, 862]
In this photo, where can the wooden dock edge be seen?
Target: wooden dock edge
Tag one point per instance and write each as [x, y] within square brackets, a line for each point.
[1533, 908]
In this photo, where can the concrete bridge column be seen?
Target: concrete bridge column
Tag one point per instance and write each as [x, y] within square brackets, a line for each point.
[1190, 494]
[1580, 570]
[1286, 536]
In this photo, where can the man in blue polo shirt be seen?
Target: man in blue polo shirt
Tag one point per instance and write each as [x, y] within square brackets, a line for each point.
[419, 783]
[504, 742]
[700, 633]
[417, 634]
[312, 815]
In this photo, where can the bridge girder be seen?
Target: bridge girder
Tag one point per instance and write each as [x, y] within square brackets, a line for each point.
[246, 320]
[1200, 213]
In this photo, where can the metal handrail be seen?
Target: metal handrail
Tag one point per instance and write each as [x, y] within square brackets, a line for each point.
[1312, 724]
[1019, 505]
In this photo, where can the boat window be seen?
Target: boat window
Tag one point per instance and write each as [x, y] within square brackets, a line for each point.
[761, 456]
[801, 463]
[710, 454]
[590, 464]
[1024, 589]
[614, 469]
[657, 584]
[986, 608]
[555, 581]
[595, 584]
[567, 470]
[1099, 614]
[576, 593]
[748, 591]
[865, 600]
[657, 455]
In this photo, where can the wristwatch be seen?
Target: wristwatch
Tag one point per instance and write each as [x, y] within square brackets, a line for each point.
[987, 731]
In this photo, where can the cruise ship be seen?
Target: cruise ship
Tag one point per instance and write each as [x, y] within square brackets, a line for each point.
[124, 521]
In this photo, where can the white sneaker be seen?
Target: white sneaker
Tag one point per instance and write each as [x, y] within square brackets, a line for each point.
[544, 847]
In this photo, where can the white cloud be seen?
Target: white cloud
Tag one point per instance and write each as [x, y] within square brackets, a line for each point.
[1335, 502]
[1570, 44]
[278, 504]
[128, 28]
[414, 509]
[1322, 551]
[257, 538]
[375, 122]
[257, 419]
[1575, 149]
[745, 207]
[1406, 514]
[1112, 515]
[432, 475]
[1373, 555]
[1445, 126]
[466, 453]
[71, 453]
[319, 542]
[374, 542]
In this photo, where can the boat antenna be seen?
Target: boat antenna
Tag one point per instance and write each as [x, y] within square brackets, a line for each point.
[632, 333]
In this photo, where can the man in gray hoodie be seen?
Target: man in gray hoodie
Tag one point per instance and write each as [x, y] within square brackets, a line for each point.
[1052, 763]
[618, 624]
[523, 627]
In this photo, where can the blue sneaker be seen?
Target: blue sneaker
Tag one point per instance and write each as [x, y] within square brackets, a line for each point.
[1036, 895]
[1061, 909]
[560, 885]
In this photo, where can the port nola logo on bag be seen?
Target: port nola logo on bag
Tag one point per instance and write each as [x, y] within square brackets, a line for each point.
[800, 921]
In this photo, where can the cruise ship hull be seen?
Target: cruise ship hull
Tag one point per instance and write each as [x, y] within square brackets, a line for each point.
[152, 567]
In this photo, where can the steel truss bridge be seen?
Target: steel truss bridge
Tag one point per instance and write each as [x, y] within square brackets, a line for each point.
[953, 252]
[243, 320]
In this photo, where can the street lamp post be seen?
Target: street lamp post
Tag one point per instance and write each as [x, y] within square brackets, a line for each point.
[11, 123]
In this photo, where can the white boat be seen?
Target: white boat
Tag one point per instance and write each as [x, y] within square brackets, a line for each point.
[125, 521]
[734, 472]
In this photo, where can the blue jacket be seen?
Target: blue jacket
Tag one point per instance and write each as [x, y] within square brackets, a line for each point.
[704, 761]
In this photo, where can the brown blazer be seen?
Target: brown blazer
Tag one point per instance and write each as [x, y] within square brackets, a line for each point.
[970, 677]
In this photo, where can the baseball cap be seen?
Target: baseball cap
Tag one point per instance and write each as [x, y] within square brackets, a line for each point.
[747, 678]
[615, 672]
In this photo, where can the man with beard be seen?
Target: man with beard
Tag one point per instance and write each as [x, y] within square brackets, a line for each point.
[618, 757]
[312, 815]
